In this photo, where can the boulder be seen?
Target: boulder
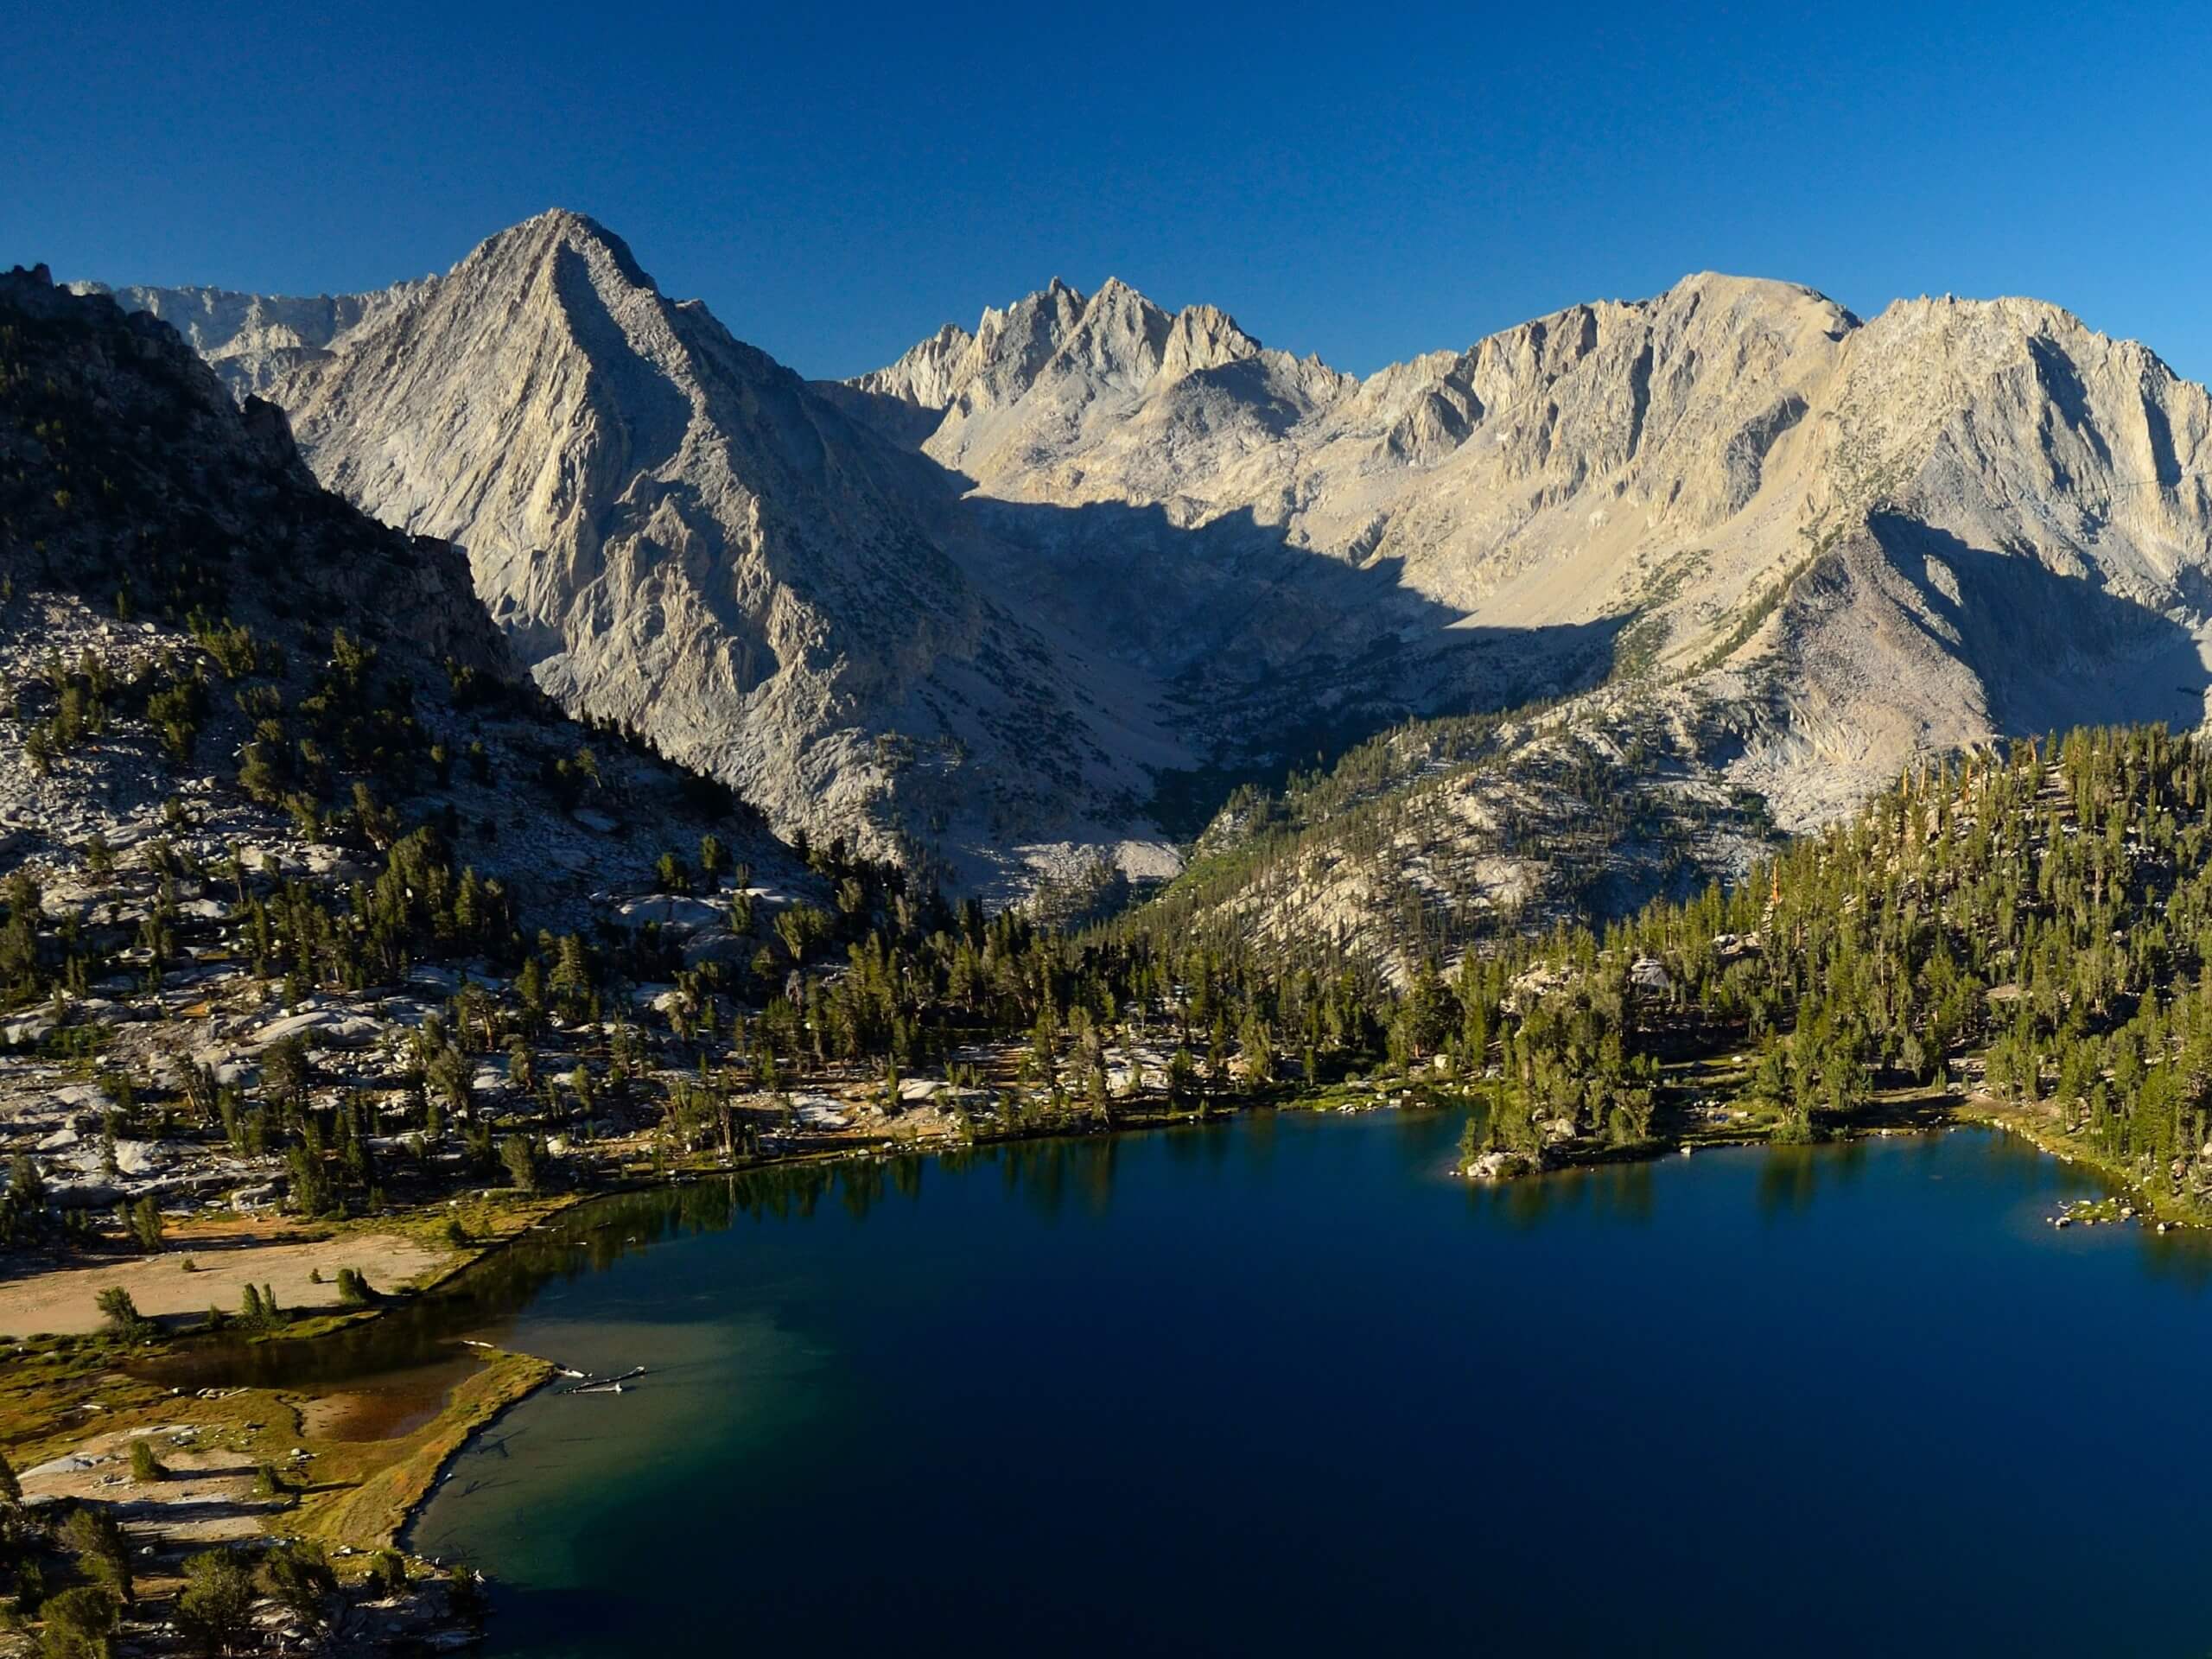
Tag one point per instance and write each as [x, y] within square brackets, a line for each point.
[1505, 1166]
[672, 912]
[232, 1068]
[1501, 1166]
[334, 864]
[820, 1112]
[82, 1097]
[27, 1029]
[716, 945]
[321, 1028]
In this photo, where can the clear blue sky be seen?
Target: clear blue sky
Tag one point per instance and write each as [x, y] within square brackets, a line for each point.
[1366, 182]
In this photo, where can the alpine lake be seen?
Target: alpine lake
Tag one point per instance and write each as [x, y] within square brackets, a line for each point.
[1283, 1383]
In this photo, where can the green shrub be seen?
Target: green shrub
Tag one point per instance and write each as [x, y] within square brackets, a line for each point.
[79, 1624]
[122, 1314]
[215, 1606]
[102, 1553]
[146, 1467]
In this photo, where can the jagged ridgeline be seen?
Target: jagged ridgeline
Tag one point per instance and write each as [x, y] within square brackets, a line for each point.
[1046, 589]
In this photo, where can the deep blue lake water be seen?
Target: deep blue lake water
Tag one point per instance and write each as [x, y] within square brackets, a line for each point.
[1281, 1385]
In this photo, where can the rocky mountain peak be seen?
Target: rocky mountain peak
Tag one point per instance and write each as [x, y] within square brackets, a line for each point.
[1011, 346]
[923, 375]
[988, 592]
[1116, 338]
[535, 241]
[258, 671]
[1205, 337]
[678, 534]
[1119, 339]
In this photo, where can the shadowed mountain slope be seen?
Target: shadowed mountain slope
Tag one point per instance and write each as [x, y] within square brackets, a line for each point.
[201, 645]
[1052, 584]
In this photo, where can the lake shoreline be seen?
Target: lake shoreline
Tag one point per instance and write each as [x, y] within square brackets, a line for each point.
[387, 1504]
[1923, 1113]
[394, 1479]
[2162, 1208]
[533, 1373]
[824, 1328]
[1920, 1113]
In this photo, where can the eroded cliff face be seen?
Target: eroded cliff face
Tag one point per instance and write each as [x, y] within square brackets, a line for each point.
[975, 606]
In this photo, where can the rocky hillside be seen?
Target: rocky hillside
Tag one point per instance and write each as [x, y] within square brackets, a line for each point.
[202, 650]
[1058, 583]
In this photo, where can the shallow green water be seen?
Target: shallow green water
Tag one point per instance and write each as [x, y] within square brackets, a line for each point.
[1281, 1385]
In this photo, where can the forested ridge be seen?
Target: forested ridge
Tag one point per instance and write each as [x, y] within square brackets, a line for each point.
[2049, 907]
[2037, 921]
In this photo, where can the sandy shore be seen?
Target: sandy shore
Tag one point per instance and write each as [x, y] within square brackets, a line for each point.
[66, 1300]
